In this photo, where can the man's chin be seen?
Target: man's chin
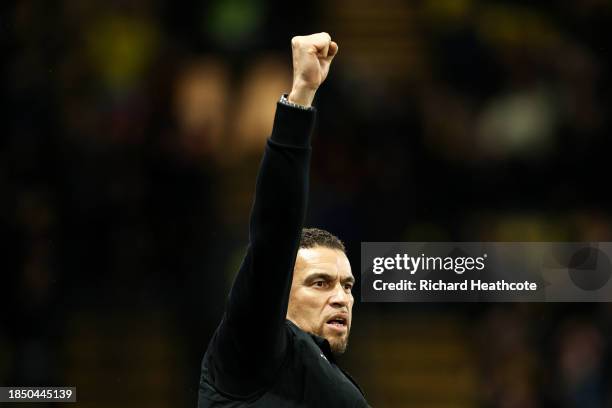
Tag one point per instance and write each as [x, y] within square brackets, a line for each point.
[338, 345]
[337, 342]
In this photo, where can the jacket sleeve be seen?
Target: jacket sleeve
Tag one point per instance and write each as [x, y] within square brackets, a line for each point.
[250, 343]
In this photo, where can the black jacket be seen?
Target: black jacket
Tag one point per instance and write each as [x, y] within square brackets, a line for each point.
[256, 357]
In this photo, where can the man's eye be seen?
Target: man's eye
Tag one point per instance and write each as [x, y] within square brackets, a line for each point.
[319, 284]
[348, 286]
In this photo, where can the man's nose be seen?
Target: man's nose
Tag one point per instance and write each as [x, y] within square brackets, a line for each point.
[339, 298]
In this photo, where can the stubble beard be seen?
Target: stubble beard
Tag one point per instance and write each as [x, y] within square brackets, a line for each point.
[337, 344]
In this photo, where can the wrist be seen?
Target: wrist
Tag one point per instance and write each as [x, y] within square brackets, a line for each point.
[302, 95]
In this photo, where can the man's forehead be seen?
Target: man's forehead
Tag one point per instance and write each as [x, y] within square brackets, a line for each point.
[322, 259]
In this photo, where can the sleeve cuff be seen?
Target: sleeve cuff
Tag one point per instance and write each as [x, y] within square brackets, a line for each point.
[293, 126]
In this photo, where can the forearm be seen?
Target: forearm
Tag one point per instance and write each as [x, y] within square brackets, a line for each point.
[264, 280]
[250, 339]
[302, 95]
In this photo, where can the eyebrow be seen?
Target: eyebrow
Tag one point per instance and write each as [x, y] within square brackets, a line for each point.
[327, 277]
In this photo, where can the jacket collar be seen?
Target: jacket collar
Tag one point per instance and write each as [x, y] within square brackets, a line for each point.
[320, 341]
[326, 349]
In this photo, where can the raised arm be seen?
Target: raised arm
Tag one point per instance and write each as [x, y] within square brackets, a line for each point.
[250, 343]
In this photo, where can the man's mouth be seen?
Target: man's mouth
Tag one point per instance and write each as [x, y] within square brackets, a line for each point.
[337, 323]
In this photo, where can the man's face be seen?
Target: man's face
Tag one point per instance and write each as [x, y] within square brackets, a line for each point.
[321, 301]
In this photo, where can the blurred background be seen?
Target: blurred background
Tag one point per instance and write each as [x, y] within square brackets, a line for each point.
[132, 131]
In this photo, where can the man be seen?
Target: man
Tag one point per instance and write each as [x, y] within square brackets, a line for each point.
[288, 311]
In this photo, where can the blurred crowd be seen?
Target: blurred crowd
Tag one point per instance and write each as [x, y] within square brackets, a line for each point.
[133, 131]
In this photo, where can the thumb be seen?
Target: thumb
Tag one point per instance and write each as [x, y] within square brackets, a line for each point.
[332, 51]
[326, 61]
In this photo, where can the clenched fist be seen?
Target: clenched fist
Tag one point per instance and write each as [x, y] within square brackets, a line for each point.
[312, 56]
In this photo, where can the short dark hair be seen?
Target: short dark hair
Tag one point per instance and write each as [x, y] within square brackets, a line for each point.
[312, 237]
